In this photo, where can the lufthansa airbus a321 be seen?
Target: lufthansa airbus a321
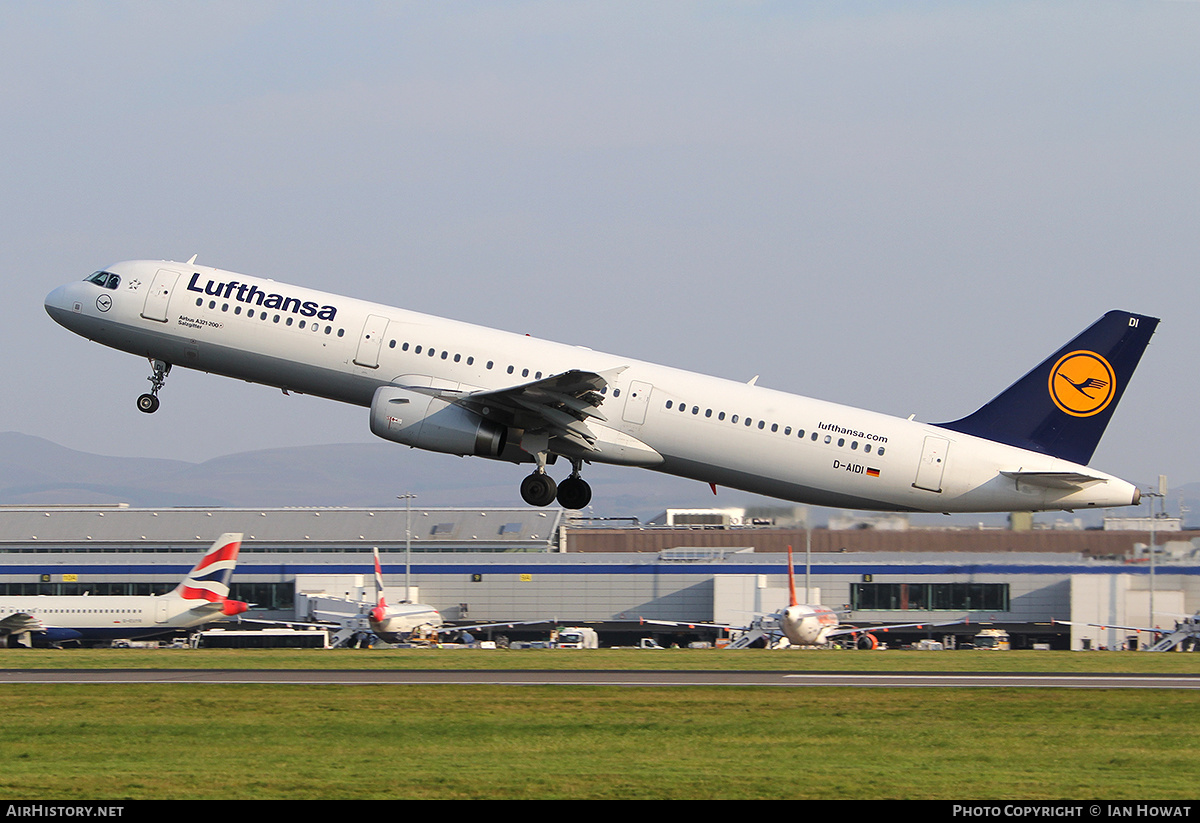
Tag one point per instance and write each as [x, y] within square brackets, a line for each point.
[446, 386]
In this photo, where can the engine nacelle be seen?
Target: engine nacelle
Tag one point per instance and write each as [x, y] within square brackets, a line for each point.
[430, 423]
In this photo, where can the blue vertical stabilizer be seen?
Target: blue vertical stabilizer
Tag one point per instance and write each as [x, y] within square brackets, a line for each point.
[1062, 407]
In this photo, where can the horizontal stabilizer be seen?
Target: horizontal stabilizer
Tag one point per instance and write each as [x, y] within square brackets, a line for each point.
[1054, 480]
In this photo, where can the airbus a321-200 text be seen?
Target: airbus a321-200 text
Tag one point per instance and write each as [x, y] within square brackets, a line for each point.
[451, 387]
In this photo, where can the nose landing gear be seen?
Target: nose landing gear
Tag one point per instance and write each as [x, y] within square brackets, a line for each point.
[148, 402]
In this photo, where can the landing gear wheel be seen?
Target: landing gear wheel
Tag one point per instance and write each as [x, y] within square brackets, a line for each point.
[538, 489]
[148, 402]
[574, 493]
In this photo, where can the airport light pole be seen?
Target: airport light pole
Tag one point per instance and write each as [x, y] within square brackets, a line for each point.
[407, 498]
[1150, 495]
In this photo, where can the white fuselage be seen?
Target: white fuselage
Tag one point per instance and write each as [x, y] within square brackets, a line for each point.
[682, 423]
[115, 617]
[402, 618]
[806, 625]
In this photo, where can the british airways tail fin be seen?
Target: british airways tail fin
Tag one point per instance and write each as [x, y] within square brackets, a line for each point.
[1062, 407]
[379, 613]
[208, 581]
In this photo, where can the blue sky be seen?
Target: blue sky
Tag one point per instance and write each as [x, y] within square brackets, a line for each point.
[902, 206]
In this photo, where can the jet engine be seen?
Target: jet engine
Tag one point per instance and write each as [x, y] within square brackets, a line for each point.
[426, 422]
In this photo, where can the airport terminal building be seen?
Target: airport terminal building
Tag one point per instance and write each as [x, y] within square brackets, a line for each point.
[524, 564]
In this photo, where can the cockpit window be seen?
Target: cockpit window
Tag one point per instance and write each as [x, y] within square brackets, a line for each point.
[105, 279]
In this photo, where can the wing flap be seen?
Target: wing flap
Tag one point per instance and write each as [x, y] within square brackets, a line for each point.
[557, 405]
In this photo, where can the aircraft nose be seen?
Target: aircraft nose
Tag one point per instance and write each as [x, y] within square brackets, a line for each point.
[54, 299]
[61, 303]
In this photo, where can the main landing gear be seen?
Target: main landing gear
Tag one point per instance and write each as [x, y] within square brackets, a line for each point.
[539, 489]
[148, 402]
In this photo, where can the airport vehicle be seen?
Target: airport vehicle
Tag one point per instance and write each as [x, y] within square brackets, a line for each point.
[311, 637]
[996, 640]
[577, 637]
[451, 387]
[202, 597]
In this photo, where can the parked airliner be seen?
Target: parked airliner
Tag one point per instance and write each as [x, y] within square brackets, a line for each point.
[394, 621]
[450, 387]
[203, 596]
[802, 624]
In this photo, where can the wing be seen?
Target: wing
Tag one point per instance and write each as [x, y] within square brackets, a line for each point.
[873, 629]
[16, 622]
[558, 405]
[447, 628]
[679, 624]
[1110, 626]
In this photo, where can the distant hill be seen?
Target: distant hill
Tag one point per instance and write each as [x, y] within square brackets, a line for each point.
[35, 471]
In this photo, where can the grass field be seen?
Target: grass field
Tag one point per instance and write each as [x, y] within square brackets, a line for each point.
[705, 659]
[184, 741]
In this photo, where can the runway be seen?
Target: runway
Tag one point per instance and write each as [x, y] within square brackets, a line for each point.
[411, 677]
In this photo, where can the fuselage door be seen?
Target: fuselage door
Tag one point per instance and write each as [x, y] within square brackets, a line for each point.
[160, 610]
[636, 402]
[933, 464]
[159, 295]
[370, 341]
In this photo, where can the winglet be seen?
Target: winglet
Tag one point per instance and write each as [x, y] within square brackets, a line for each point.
[1062, 407]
